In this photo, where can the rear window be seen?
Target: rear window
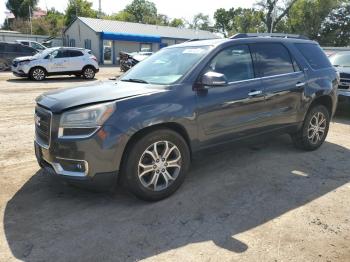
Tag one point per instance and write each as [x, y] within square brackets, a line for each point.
[273, 59]
[314, 55]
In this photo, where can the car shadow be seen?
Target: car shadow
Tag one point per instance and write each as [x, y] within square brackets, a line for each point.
[51, 80]
[226, 193]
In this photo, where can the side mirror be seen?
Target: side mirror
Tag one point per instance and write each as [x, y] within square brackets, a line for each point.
[213, 79]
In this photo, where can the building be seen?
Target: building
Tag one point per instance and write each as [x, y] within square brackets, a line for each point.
[106, 38]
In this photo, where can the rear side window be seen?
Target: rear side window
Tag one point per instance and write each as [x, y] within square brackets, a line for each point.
[273, 59]
[314, 55]
[234, 62]
[2, 47]
[75, 53]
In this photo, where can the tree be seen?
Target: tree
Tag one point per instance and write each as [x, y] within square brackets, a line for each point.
[224, 20]
[240, 20]
[79, 8]
[200, 22]
[307, 16]
[20, 8]
[177, 22]
[336, 27]
[274, 12]
[162, 20]
[142, 11]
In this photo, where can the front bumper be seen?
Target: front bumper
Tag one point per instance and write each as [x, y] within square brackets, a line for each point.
[20, 71]
[343, 96]
[93, 161]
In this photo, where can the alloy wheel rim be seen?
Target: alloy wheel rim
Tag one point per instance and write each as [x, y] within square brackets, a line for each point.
[159, 165]
[317, 128]
[38, 74]
[89, 73]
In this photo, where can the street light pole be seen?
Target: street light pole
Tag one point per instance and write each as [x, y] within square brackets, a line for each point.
[30, 20]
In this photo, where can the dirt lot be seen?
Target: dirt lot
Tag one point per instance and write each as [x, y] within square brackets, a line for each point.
[269, 202]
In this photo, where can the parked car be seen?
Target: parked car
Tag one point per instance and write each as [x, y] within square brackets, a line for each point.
[143, 130]
[57, 61]
[9, 51]
[128, 60]
[341, 61]
[32, 44]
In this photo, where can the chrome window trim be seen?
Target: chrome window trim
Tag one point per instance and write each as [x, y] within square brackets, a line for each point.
[264, 77]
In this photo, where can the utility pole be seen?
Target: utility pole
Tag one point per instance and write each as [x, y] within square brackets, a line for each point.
[30, 20]
[99, 9]
[76, 8]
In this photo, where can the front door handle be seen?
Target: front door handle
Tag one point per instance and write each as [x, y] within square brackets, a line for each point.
[300, 84]
[255, 93]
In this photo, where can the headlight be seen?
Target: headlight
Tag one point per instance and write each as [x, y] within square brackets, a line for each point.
[23, 63]
[84, 121]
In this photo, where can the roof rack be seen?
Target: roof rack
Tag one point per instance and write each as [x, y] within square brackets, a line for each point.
[281, 35]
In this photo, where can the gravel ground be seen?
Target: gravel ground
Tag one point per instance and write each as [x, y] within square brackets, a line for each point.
[265, 202]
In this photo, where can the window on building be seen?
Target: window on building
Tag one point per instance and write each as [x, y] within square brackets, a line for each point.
[87, 43]
[234, 62]
[146, 47]
[314, 55]
[273, 59]
[72, 42]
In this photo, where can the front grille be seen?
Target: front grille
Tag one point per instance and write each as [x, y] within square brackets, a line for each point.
[344, 75]
[42, 126]
[344, 83]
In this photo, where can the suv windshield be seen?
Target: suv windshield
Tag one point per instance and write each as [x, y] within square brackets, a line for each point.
[340, 59]
[166, 66]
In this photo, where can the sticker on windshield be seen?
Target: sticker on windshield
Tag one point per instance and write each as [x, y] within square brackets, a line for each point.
[193, 51]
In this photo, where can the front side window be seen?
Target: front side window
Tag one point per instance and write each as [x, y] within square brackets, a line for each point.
[273, 59]
[167, 65]
[234, 62]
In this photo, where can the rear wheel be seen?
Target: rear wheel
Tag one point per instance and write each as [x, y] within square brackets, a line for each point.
[314, 130]
[156, 165]
[37, 74]
[88, 72]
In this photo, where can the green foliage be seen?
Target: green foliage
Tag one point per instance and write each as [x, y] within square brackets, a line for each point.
[200, 22]
[177, 22]
[335, 29]
[229, 22]
[142, 11]
[79, 8]
[20, 8]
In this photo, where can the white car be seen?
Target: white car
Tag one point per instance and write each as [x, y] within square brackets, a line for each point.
[56, 61]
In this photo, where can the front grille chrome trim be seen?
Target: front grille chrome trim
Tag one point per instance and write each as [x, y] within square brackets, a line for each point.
[46, 146]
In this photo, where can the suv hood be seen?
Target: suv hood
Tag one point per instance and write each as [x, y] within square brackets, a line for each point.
[23, 58]
[60, 100]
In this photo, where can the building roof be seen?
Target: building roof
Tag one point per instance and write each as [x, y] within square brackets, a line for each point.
[112, 26]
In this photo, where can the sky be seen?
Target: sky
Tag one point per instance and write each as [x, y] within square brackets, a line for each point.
[178, 8]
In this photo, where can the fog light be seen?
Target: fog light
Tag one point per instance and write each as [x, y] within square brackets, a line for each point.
[70, 167]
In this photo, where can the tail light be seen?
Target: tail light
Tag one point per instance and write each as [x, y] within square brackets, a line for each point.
[94, 58]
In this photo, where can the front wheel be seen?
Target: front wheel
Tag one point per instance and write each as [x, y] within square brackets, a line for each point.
[315, 129]
[37, 74]
[156, 165]
[88, 72]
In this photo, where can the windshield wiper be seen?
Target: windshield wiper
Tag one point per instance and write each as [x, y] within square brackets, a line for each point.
[134, 80]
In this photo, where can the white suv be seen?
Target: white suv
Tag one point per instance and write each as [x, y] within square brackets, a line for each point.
[56, 61]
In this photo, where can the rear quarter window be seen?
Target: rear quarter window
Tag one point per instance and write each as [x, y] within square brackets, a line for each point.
[314, 55]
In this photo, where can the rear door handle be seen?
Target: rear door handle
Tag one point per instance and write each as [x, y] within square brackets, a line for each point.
[255, 93]
[300, 84]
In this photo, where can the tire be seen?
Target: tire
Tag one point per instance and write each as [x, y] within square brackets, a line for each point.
[88, 72]
[151, 177]
[37, 74]
[314, 130]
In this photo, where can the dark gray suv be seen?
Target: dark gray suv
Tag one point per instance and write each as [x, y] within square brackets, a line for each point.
[144, 129]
